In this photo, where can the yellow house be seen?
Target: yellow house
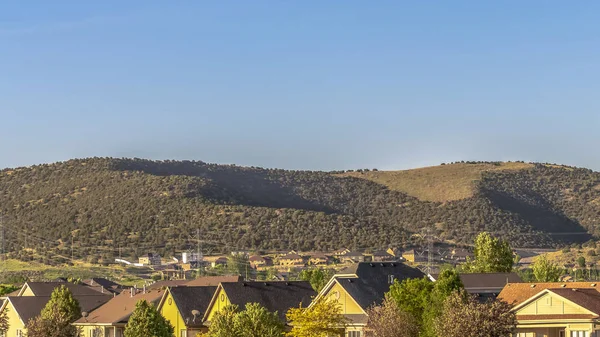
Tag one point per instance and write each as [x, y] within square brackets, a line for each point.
[555, 309]
[274, 296]
[361, 286]
[291, 260]
[109, 320]
[185, 307]
[21, 309]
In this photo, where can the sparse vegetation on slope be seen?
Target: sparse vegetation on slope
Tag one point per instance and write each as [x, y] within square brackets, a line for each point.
[101, 208]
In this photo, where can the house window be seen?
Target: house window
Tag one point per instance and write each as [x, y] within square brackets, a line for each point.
[579, 334]
[20, 333]
[354, 333]
[97, 332]
[183, 333]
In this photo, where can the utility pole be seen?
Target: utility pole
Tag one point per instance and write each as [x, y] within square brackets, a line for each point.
[198, 256]
[72, 239]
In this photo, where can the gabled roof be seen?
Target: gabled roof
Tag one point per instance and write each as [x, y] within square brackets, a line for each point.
[211, 281]
[46, 288]
[291, 257]
[381, 253]
[353, 253]
[119, 308]
[481, 281]
[188, 299]
[103, 285]
[367, 282]
[517, 293]
[28, 307]
[586, 298]
[274, 296]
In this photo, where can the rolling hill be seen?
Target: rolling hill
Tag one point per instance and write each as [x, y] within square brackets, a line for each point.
[97, 209]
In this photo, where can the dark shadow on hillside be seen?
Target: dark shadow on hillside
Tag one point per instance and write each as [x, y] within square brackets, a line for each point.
[541, 217]
[228, 184]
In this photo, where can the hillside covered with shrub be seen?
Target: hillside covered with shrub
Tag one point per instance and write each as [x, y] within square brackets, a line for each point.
[100, 208]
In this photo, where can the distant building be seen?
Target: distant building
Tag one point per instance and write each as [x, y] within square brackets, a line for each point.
[352, 257]
[190, 257]
[150, 259]
[415, 256]
[382, 256]
[221, 261]
[341, 252]
[485, 285]
[291, 260]
[257, 261]
[317, 259]
[395, 252]
[460, 254]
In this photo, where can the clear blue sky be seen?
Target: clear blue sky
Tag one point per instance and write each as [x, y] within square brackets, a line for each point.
[301, 84]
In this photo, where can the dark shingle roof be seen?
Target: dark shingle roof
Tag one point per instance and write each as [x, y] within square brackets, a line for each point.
[188, 299]
[478, 281]
[46, 288]
[372, 280]
[119, 308]
[29, 307]
[275, 296]
[587, 298]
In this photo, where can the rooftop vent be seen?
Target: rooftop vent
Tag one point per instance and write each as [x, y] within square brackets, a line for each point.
[593, 284]
[563, 285]
[372, 265]
[533, 285]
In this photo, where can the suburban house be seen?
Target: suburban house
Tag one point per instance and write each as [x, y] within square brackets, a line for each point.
[460, 254]
[318, 259]
[150, 259]
[382, 256]
[395, 252]
[257, 261]
[409, 255]
[341, 252]
[352, 257]
[291, 259]
[34, 296]
[485, 285]
[109, 319]
[556, 309]
[274, 296]
[185, 307]
[363, 285]
[220, 261]
[103, 285]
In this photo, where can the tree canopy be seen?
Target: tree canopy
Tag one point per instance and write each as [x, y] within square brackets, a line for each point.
[322, 319]
[491, 255]
[388, 320]
[56, 317]
[545, 270]
[254, 321]
[146, 321]
[463, 315]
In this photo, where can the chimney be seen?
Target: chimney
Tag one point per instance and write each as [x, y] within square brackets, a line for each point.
[131, 292]
[144, 288]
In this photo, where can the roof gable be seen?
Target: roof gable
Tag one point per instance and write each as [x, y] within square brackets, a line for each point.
[553, 302]
[191, 299]
[367, 283]
[517, 293]
[274, 296]
[119, 308]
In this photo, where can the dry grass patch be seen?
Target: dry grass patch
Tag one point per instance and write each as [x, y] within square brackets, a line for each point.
[436, 183]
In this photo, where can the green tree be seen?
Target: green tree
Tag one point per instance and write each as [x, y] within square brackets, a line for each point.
[492, 255]
[546, 271]
[581, 262]
[464, 316]
[146, 321]
[387, 320]
[322, 319]
[447, 283]
[223, 323]
[412, 296]
[318, 277]
[257, 321]
[56, 317]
